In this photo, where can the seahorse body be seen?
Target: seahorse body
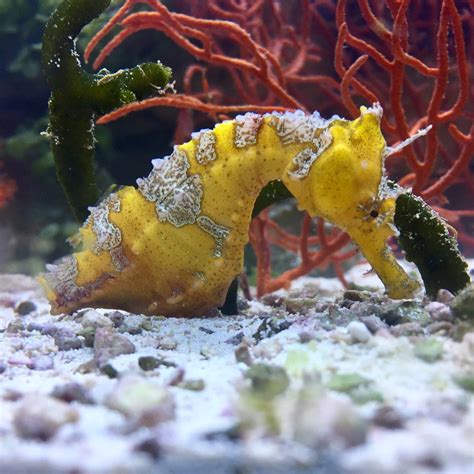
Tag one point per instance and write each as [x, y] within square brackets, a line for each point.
[173, 245]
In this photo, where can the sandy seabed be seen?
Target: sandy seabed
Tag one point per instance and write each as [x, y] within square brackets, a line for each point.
[312, 380]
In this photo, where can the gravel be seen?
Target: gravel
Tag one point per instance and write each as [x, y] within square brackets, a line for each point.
[344, 383]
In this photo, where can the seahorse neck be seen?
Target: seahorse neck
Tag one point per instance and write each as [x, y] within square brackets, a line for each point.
[274, 146]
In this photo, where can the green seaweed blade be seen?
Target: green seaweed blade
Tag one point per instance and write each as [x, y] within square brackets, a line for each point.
[426, 240]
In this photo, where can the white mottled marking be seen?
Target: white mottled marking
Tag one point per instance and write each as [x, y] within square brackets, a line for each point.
[303, 160]
[206, 148]
[183, 203]
[218, 232]
[376, 110]
[165, 176]
[246, 129]
[177, 195]
[61, 277]
[108, 235]
[298, 127]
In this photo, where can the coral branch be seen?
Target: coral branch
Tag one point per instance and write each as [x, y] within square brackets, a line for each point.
[187, 102]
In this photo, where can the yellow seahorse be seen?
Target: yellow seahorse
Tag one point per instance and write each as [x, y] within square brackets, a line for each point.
[173, 245]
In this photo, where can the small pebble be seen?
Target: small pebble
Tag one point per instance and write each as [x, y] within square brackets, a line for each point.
[384, 333]
[151, 447]
[339, 336]
[19, 359]
[72, 392]
[87, 367]
[355, 295]
[300, 305]
[447, 409]
[306, 336]
[93, 319]
[109, 370]
[346, 383]
[142, 401]
[267, 380]
[359, 332]
[34, 327]
[459, 330]
[148, 363]
[236, 339]
[429, 350]
[12, 395]
[151, 363]
[40, 417]
[206, 330]
[268, 349]
[439, 311]
[388, 417]
[25, 307]
[397, 313]
[117, 318]
[463, 304]
[465, 381]
[177, 377]
[373, 323]
[42, 362]
[242, 304]
[147, 325]
[31, 345]
[15, 326]
[49, 330]
[271, 326]
[66, 340]
[440, 326]
[365, 394]
[242, 354]
[108, 344]
[233, 434]
[338, 423]
[131, 329]
[196, 385]
[444, 296]
[167, 343]
[406, 329]
[88, 334]
[273, 300]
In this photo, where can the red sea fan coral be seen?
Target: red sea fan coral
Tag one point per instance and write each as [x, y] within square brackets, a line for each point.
[330, 56]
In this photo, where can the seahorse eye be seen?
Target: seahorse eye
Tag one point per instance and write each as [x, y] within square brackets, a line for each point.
[374, 214]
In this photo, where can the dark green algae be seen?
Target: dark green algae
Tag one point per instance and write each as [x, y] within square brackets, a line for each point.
[426, 240]
[78, 98]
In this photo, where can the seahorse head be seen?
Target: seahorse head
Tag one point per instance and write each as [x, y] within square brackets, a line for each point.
[347, 175]
[347, 186]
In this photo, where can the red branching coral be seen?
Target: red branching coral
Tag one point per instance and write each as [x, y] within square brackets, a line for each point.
[411, 56]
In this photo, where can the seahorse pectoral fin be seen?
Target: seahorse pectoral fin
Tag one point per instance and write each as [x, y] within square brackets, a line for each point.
[371, 235]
